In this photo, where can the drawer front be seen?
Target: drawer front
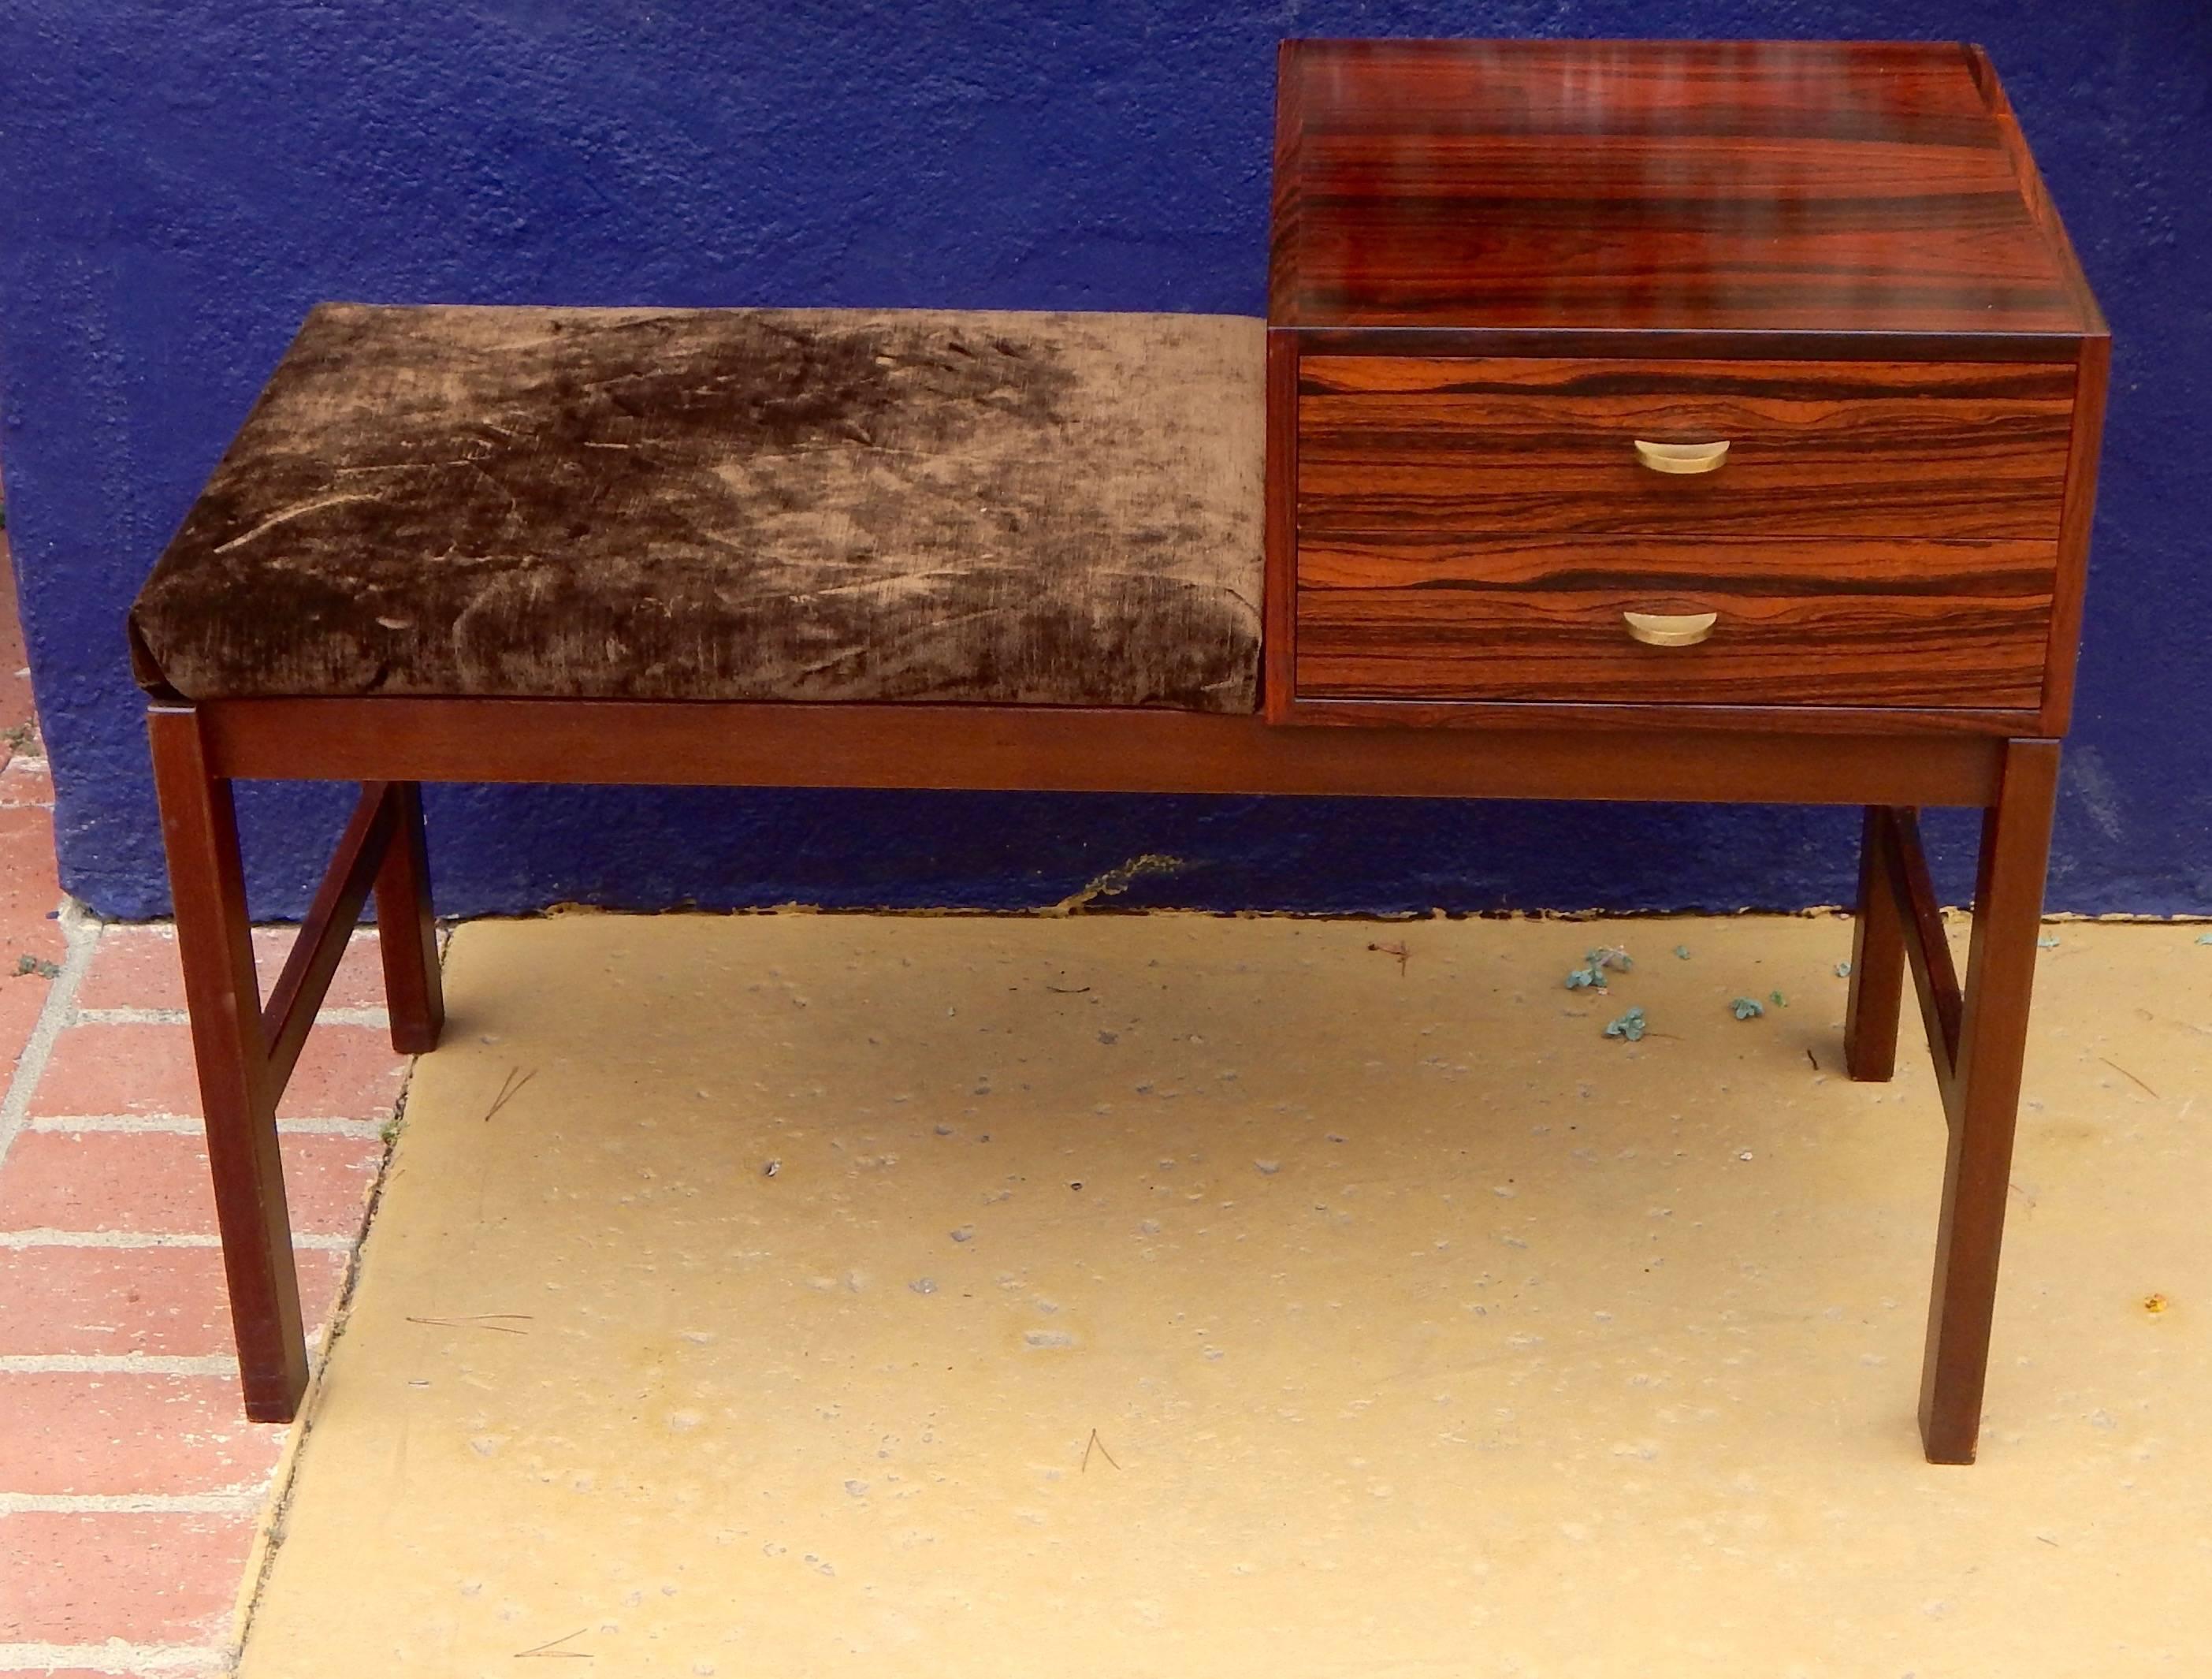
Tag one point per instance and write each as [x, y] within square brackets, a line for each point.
[1794, 622]
[1969, 451]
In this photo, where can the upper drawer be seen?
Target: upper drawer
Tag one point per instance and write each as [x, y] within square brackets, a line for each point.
[1814, 449]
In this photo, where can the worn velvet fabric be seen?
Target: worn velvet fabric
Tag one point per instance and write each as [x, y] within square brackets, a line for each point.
[756, 504]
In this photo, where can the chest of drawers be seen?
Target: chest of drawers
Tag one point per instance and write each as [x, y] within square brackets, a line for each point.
[1722, 384]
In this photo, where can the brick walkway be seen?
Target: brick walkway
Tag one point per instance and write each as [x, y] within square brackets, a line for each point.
[129, 1480]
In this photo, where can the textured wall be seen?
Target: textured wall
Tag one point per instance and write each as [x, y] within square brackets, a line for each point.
[177, 186]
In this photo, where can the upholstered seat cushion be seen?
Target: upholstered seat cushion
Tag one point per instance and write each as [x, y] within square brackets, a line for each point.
[757, 504]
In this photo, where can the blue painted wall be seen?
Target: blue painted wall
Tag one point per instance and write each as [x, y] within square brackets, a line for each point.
[178, 185]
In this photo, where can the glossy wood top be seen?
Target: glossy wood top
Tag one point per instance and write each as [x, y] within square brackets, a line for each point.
[1648, 186]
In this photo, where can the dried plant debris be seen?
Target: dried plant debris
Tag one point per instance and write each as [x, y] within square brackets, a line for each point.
[2129, 1077]
[1116, 880]
[551, 1648]
[1629, 1026]
[499, 1322]
[509, 1088]
[1748, 1008]
[27, 964]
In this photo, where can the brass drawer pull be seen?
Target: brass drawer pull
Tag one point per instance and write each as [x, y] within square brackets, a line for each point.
[1682, 457]
[1671, 629]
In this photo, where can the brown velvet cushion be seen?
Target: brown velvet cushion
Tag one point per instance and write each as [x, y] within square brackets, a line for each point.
[759, 504]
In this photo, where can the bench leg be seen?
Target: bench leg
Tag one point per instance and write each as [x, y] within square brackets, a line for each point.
[406, 933]
[238, 1090]
[1992, 1040]
[1877, 993]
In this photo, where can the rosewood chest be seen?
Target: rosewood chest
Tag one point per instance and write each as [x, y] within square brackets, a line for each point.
[1753, 383]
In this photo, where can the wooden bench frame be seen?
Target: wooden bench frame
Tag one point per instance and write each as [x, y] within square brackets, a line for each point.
[247, 1049]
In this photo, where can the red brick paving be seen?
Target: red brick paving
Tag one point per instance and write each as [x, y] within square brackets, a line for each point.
[164, 1578]
[70, 1433]
[163, 1303]
[15, 679]
[21, 997]
[82, 1578]
[26, 780]
[135, 967]
[346, 1072]
[167, 1578]
[28, 889]
[158, 1182]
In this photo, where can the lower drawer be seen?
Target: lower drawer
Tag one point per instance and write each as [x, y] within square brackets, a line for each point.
[1811, 622]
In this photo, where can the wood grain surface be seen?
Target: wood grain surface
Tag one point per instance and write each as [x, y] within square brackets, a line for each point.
[1677, 570]
[1567, 645]
[1802, 622]
[1618, 751]
[1659, 185]
[1536, 445]
[2073, 535]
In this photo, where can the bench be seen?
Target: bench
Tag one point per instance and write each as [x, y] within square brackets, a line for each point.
[1395, 542]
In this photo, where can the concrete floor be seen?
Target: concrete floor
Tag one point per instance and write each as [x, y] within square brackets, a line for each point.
[799, 1295]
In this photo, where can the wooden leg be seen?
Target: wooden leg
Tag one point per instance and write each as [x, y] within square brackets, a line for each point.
[406, 933]
[199, 827]
[1877, 992]
[1992, 1039]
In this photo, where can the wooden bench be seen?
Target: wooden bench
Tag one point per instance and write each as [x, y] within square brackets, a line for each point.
[1006, 550]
